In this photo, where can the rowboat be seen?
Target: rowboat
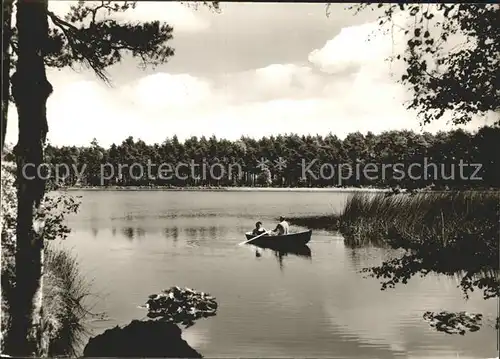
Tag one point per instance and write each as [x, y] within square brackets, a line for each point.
[298, 239]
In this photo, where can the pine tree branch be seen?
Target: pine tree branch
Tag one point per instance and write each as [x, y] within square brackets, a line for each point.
[71, 33]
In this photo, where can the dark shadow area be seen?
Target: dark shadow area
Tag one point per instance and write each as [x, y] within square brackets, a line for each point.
[327, 222]
[141, 339]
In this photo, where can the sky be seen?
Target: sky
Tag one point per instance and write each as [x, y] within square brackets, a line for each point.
[254, 69]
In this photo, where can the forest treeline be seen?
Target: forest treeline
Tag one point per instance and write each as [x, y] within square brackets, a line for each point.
[444, 149]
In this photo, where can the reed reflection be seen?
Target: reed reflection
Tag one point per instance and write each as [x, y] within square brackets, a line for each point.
[141, 232]
[171, 232]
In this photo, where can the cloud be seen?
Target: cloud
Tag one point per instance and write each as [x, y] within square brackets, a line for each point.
[368, 44]
[164, 92]
[181, 17]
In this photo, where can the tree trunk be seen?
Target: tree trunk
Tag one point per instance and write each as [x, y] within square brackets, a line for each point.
[7, 23]
[30, 89]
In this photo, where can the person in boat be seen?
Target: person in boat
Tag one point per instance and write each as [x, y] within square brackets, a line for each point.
[258, 230]
[282, 227]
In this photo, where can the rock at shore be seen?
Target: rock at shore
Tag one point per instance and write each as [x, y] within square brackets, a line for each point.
[141, 339]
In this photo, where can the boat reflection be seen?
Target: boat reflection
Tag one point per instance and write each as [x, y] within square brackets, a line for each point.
[302, 251]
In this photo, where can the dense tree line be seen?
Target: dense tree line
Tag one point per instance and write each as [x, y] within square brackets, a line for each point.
[219, 162]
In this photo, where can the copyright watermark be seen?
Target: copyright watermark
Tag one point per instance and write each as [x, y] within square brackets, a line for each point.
[427, 170]
[334, 173]
[135, 171]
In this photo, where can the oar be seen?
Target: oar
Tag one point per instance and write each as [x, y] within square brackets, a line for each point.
[260, 235]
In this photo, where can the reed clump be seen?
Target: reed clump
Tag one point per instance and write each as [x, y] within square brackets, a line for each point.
[64, 293]
[447, 218]
[453, 233]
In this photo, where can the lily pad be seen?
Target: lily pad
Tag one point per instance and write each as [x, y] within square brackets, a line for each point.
[454, 323]
[181, 305]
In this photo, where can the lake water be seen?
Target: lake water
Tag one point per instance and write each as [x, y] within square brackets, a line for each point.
[135, 243]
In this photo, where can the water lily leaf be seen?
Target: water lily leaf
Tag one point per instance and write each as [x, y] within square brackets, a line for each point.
[181, 306]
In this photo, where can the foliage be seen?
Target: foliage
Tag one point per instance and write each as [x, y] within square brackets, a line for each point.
[453, 323]
[101, 43]
[9, 204]
[88, 35]
[442, 152]
[184, 306]
[64, 288]
[450, 233]
[451, 57]
[8, 238]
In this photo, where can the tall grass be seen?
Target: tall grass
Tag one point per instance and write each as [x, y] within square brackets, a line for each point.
[64, 314]
[438, 216]
[64, 293]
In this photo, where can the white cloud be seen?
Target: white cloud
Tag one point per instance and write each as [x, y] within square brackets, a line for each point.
[358, 46]
[162, 91]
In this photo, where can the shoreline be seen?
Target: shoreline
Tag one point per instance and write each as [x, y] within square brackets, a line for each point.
[230, 189]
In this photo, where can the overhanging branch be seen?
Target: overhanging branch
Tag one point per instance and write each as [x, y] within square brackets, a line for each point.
[72, 35]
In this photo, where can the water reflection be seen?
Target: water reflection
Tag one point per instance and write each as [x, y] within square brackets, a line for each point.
[141, 232]
[128, 232]
[214, 232]
[131, 233]
[280, 253]
[171, 232]
[194, 234]
[191, 214]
